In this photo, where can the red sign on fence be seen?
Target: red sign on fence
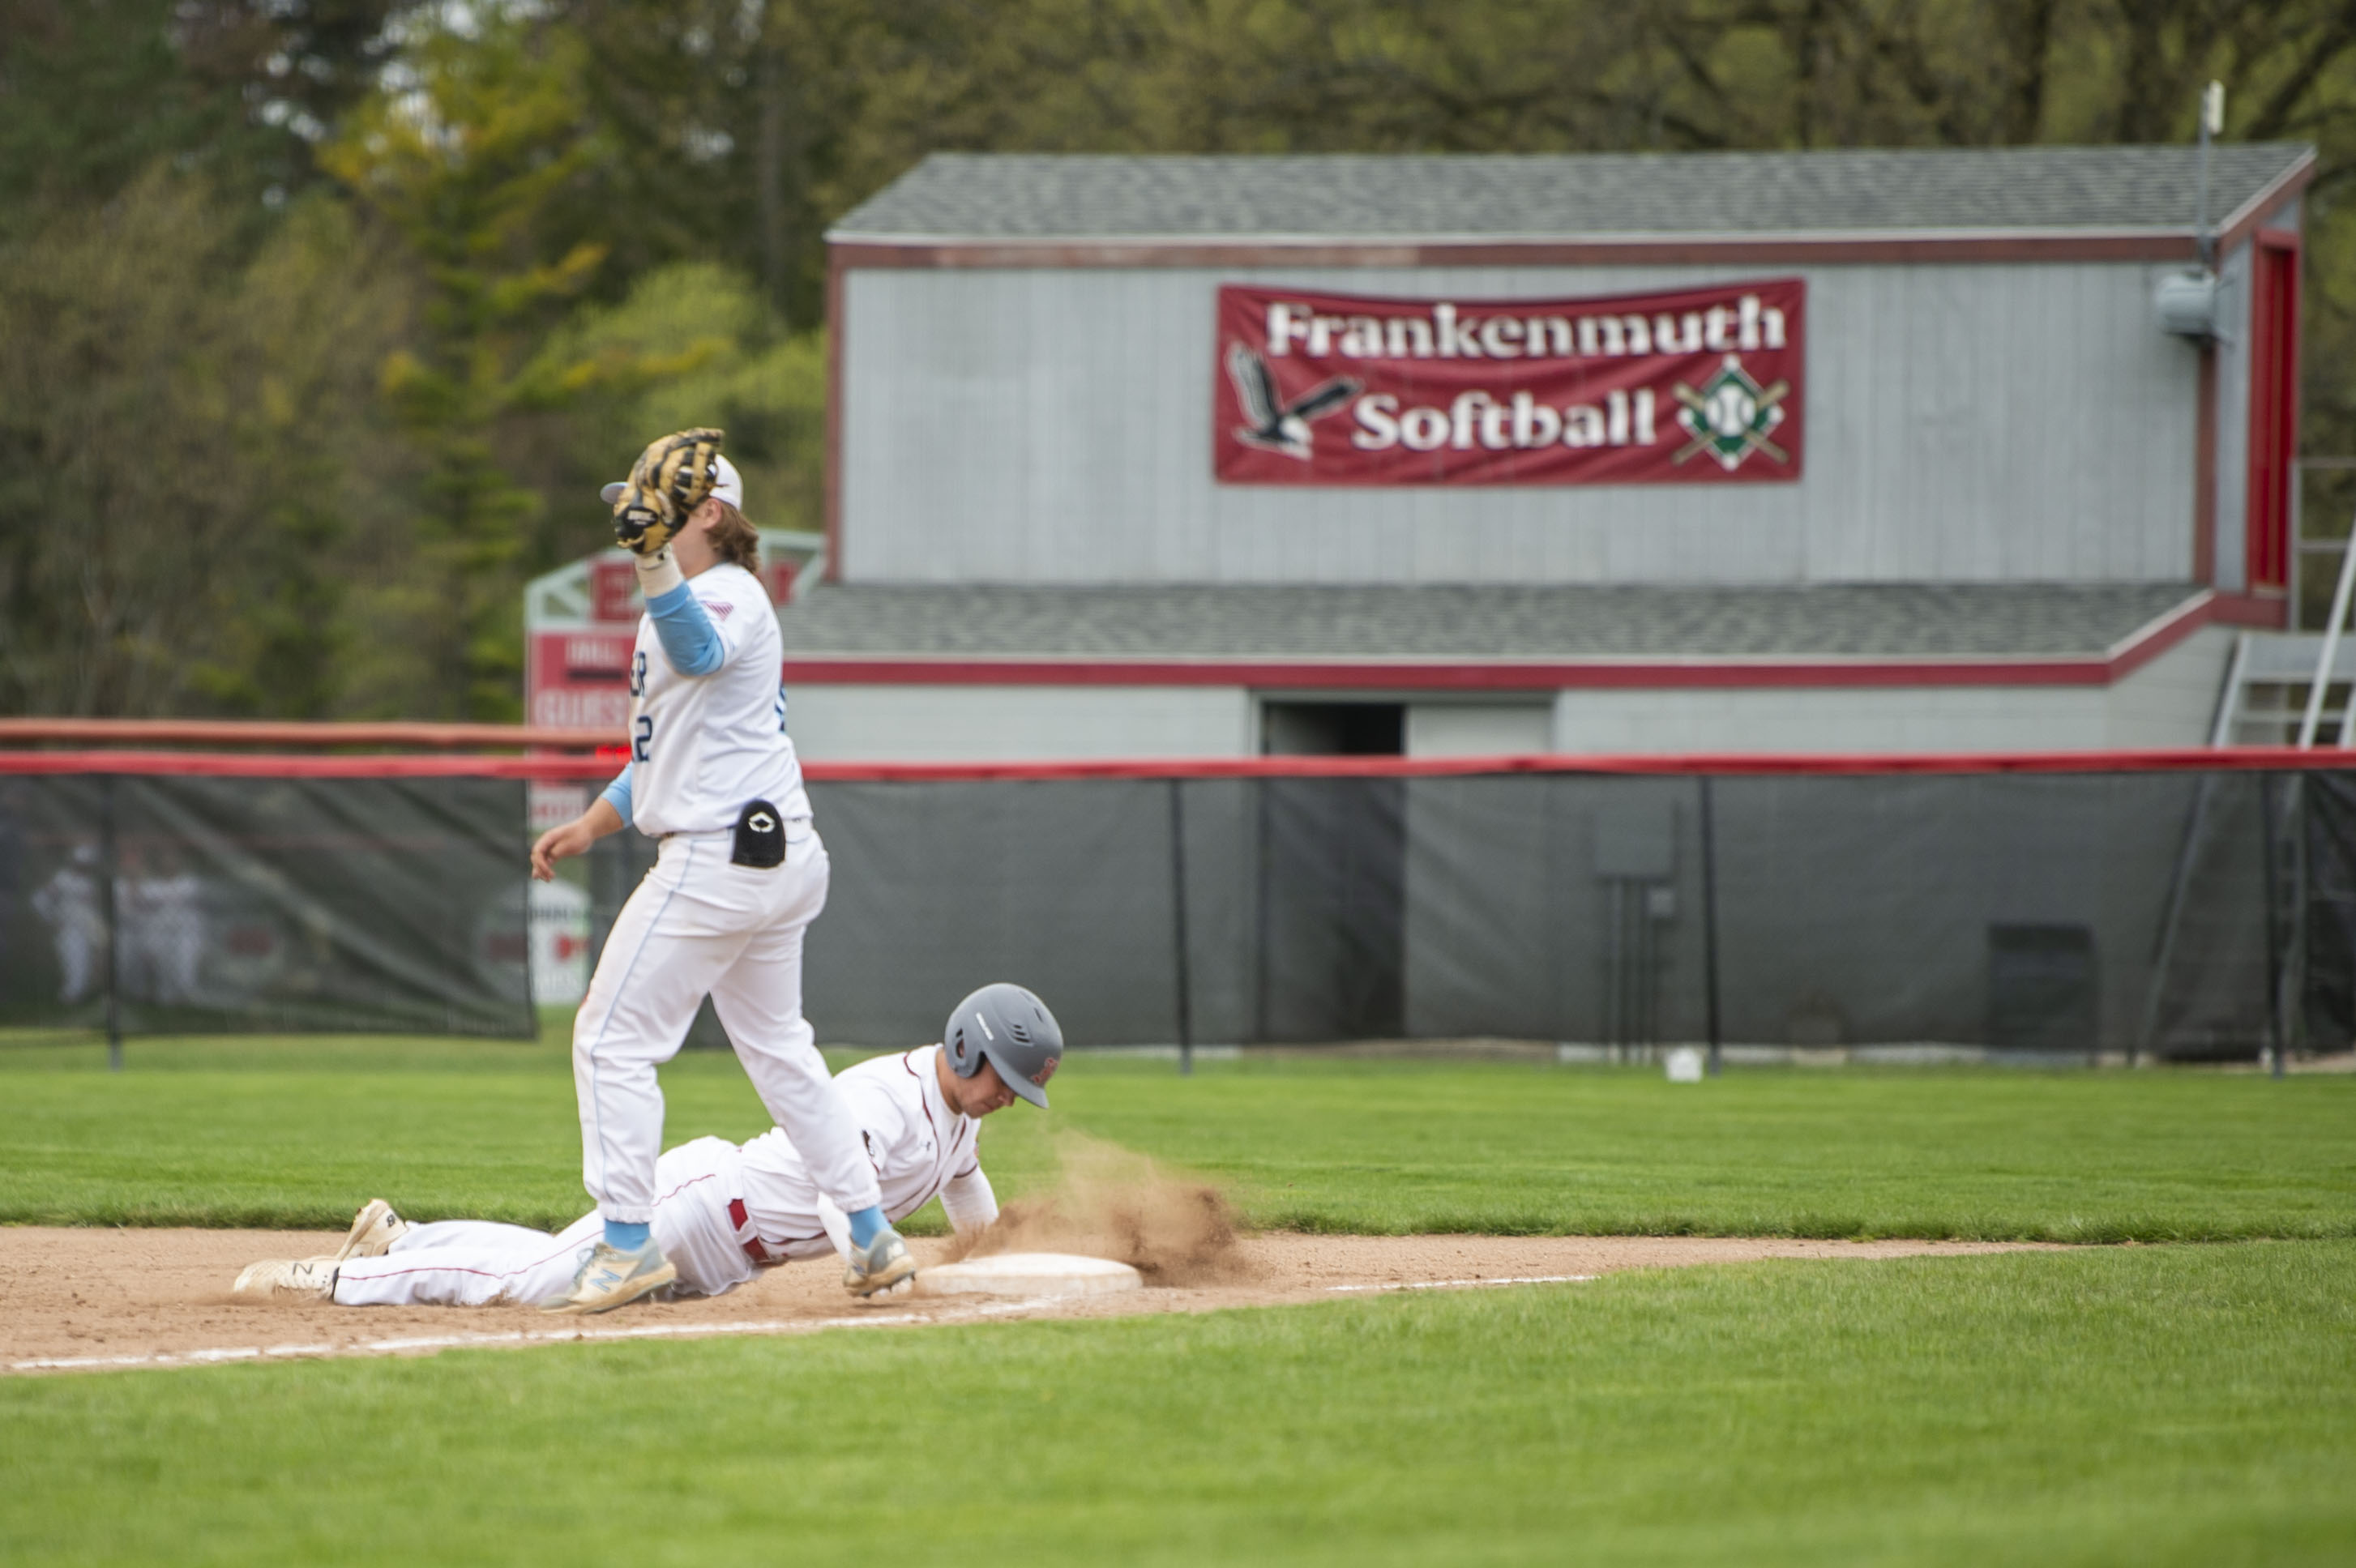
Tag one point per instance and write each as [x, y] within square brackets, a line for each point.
[578, 679]
[1698, 387]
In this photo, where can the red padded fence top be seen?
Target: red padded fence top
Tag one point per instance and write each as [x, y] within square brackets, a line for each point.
[271, 733]
[525, 751]
[287, 765]
[2238, 759]
[556, 768]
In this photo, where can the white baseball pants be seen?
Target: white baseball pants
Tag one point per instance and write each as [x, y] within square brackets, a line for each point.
[474, 1263]
[699, 925]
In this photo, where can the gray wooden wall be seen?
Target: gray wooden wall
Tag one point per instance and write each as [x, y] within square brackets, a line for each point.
[1965, 422]
[2169, 702]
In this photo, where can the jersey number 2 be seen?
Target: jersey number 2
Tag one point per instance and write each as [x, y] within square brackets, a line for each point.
[645, 738]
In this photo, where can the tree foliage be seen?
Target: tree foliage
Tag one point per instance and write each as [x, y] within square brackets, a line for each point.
[93, 92]
[192, 461]
[482, 248]
[469, 162]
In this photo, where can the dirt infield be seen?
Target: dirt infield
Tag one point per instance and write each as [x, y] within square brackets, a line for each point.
[77, 1299]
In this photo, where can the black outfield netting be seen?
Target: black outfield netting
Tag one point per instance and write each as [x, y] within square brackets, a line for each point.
[182, 904]
[2184, 914]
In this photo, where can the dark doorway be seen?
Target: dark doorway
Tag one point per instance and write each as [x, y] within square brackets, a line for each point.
[1334, 729]
[1332, 881]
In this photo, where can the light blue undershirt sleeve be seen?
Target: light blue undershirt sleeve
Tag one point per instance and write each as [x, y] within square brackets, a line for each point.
[618, 792]
[690, 641]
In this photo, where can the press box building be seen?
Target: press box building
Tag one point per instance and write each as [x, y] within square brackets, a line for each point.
[1953, 451]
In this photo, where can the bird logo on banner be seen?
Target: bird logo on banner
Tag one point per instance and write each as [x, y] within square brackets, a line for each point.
[1277, 425]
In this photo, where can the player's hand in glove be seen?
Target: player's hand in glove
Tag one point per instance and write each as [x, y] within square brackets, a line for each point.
[669, 481]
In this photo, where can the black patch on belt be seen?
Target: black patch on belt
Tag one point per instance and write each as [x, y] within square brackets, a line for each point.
[760, 837]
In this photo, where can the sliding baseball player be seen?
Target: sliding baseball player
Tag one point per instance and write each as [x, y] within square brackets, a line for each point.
[740, 877]
[722, 1211]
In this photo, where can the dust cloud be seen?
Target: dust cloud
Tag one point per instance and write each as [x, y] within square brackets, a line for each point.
[1110, 1202]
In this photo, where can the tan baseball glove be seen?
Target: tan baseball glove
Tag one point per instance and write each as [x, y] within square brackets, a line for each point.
[669, 480]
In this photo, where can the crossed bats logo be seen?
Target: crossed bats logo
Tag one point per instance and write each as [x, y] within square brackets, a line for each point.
[1731, 417]
[1278, 425]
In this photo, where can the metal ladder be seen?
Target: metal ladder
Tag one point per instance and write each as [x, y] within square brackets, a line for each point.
[2289, 688]
[2272, 682]
[2281, 689]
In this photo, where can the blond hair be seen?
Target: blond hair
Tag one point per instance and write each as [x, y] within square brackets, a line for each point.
[734, 539]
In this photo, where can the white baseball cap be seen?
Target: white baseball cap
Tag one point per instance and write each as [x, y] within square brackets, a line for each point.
[729, 488]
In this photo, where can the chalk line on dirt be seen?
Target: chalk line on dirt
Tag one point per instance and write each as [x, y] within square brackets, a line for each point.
[413, 1344]
[91, 1300]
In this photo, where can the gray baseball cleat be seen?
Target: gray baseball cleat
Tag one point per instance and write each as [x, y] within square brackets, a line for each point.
[288, 1279]
[880, 1265]
[610, 1277]
[374, 1230]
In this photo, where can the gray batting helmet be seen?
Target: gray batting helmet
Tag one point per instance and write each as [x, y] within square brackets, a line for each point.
[1014, 1030]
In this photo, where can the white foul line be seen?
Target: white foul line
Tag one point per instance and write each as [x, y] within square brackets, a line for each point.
[464, 1342]
[650, 1331]
[1468, 1284]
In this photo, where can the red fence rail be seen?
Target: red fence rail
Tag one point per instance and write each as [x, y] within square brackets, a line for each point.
[510, 750]
[399, 734]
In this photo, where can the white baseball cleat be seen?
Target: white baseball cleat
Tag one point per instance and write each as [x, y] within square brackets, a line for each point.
[610, 1277]
[374, 1230]
[880, 1266]
[288, 1279]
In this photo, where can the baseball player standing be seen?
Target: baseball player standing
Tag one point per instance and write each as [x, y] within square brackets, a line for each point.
[724, 1212]
[740, 876]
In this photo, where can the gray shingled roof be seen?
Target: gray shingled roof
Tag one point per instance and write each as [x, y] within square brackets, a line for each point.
[1252, 620]
[968, 196]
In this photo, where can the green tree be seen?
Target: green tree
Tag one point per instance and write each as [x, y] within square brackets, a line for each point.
[471, 155]
[693, 344]
[193, 467]
[728, 122]
[93, 92]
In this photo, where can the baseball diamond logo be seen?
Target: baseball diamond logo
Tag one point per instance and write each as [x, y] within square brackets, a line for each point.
[1731, 417]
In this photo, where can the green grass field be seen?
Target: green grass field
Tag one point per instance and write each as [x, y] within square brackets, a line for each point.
[2157, 1405]
[2191, 1404]
[299, 1132]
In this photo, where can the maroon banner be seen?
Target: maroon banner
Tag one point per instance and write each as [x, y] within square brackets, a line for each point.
[578, 680]
[1700, 386]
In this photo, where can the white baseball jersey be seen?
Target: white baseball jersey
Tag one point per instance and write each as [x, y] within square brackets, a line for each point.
[917, 1143]
[701, 746]
[720, 1211]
